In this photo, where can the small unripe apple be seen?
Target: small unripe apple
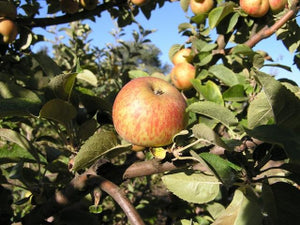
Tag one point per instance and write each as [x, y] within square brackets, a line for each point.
[182, 74]
[8, 10]
[69, 6]
[89, 4]
[8, 30]
[277, 5]
[255, 8]
[139, 2]
[183, 55]
[201, 6]
[149, 111]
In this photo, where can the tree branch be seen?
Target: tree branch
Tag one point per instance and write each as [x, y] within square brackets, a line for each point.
[67, 18]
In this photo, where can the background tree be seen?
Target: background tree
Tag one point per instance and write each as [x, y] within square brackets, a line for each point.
[62, 162]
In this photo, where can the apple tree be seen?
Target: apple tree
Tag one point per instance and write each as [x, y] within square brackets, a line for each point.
[237, 160]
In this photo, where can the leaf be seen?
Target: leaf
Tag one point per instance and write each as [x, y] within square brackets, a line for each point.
[202, 131]
[279, 135]
[17, 138]
[285, 104]
[19, 107]
[59, 111]
[159, 153]
[137, 73]
[260, 111]
[241, 211]
[184, 5]
[215, 209]
[62, 85]
[14, 153]
[88, 76]
[94, 148]
[215, 111]
[194, 188]
[210, 91]
[235, 93]
[224, 74]
[47, 64]
[222, 168]
[216, 15]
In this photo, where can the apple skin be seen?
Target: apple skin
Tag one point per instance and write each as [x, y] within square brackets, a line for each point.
[89, 4]
[149, 111]
[139, 2]
[183, 55]
[181, 75]
[69, 6]
[255, 8]
[8, 30]
[8, 10]
[277, 5]
[201, 6]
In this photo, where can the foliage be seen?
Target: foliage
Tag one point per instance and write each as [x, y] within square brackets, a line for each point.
[237, 162]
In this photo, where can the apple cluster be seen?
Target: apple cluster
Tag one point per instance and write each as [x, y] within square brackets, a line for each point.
[8, 28]
[183, 71]
[259, 8]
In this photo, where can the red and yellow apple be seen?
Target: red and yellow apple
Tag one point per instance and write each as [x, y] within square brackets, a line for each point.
[183, 55]
[149, 111]
[139, 2]
[255, 8]
[69, 6]
[277, 5]
[182, 74]
[201, 6]
[8, 30]
[8, 10]
[89, 4]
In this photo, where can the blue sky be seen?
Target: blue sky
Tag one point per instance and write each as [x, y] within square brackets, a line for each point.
[165, 21]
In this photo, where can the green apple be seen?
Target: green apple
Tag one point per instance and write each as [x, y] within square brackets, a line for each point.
[8, 31]
[255, 8]
[181, 75]
[201, 6]
[8, 10]
[277, 5]
[89, 4]
[149, 111]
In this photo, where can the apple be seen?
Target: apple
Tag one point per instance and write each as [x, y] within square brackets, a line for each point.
[149, 111]
[89, 4]
[183, 55]
[277, 5]
[201, 6]
[139, 2]
[255, 8]
[69, 6]
[181, 75]
[8, 10]
[8, 30]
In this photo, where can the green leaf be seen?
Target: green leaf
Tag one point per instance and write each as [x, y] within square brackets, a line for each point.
[284, 137]
[242, 50]
[222, 168]
[96, 146]
[260, 111]
[195, 187]
[235, 93]
[202, 131]
[88, 76]
[174, 48]
[216, 15]
[62, 85]
[17, 138]
[215, 209]
[215, 111]
[59, 111]
[285, 104]
[232, 22]
[15, 153]
[47, 64]
[137, 73]
[224, 74]
[184, 5]
[19, 107]
[12, 90]
[241, 211]
[210, 91]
